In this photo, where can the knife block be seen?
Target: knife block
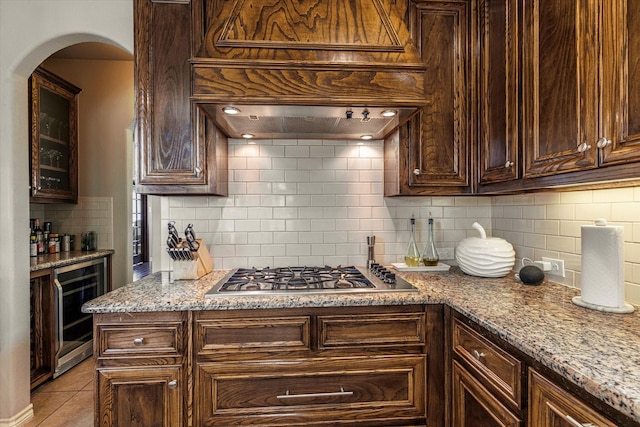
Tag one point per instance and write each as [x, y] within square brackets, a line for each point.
[194, 269]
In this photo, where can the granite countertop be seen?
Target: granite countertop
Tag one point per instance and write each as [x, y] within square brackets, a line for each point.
[598, 351]
[60, 259]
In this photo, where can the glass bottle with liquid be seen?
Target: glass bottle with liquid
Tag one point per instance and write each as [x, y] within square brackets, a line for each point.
[412, 257]
[430, 254]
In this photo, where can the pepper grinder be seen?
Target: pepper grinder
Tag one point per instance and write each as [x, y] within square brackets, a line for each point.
[371, 241]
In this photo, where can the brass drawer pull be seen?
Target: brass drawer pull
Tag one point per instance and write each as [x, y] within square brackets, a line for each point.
[138, 341]
[478, 355]
[327, 394]
[172, 384]
[575, 423]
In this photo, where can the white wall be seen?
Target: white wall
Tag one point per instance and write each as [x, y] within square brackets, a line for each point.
[30, 31]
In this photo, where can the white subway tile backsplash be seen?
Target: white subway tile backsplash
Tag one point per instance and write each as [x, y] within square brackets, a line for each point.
[297, 202]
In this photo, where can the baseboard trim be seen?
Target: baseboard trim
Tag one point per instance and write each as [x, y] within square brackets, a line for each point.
[17, 420]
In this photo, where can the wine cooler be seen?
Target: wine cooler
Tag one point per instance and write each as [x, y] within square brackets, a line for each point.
[74, 285]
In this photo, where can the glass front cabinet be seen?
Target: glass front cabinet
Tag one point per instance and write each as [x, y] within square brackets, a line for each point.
[54, 138]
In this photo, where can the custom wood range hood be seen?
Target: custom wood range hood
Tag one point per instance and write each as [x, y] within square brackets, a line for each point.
[305, 68]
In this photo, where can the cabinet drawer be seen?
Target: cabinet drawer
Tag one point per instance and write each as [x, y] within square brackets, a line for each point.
[140, 334]
[549, 405]
[393, 329]
[502, 371]
[251, 334]
[323, 391]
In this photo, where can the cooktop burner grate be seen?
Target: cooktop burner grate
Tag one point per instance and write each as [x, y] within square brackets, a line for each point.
[307, 280]
[295, 278]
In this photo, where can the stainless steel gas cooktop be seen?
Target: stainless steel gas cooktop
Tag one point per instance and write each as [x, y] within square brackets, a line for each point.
[309, 280]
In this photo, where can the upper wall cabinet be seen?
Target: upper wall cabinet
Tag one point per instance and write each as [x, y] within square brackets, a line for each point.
[53, 111]
[498, 113]
[430, 154]
[560, 86]
[580, 96]
[619, 139]
[180, 150]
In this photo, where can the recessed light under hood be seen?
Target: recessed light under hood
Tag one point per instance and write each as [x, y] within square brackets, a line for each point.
[309, 122]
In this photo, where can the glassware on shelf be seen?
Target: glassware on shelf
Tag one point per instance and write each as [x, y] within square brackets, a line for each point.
[412, 256]
[430, 254]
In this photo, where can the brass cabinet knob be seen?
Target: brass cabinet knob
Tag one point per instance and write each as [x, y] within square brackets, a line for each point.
[416, 172]
[172, 384]
[138, 341]
[603, 142]
[508, 164]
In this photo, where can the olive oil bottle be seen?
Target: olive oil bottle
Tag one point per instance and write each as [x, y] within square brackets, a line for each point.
[430, 254]
[412, 257]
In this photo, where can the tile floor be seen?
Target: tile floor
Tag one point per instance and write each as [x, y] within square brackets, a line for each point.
[66, 401]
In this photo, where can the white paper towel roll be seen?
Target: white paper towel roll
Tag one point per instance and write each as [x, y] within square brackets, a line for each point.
[603, 268]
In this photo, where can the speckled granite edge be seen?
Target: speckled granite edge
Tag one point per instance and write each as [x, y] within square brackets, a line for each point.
[597, 351]
[61, 259]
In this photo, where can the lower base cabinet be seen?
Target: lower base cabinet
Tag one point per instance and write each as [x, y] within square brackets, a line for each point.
[346, 366]
[475, 406]
[552, 406]
[495, 385]
[139, 397]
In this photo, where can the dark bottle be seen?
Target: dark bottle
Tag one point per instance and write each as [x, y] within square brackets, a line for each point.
[39, 236]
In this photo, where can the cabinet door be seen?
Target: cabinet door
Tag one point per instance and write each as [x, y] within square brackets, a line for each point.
[474, 406]
[179, 148]
[140, 397]
[54, 138]
[433, 147]
[560, 85]
[498, 90]
[551, 406]
[42, 335]
[620, 83]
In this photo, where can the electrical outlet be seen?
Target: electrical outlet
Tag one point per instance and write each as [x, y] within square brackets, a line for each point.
[446, 253]
[557, 266]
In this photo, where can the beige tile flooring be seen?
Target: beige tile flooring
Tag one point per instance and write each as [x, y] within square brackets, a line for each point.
[66, 401]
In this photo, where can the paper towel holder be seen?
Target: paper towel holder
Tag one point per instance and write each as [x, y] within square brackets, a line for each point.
[595, 299]
[625, 309]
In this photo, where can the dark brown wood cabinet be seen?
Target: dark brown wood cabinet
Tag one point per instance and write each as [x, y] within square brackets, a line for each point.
[498, 89]
[141, 374]
[53, 112]
[362, 366]
[486, 380]
[474, 405]
[180, 151]
[560, 86]
[431, 153]
[42, 327]
[579, 104]
[619, 138]
[552, 406]
[492, 383]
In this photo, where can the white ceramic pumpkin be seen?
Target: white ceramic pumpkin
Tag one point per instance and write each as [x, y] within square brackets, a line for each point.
[485, 256]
